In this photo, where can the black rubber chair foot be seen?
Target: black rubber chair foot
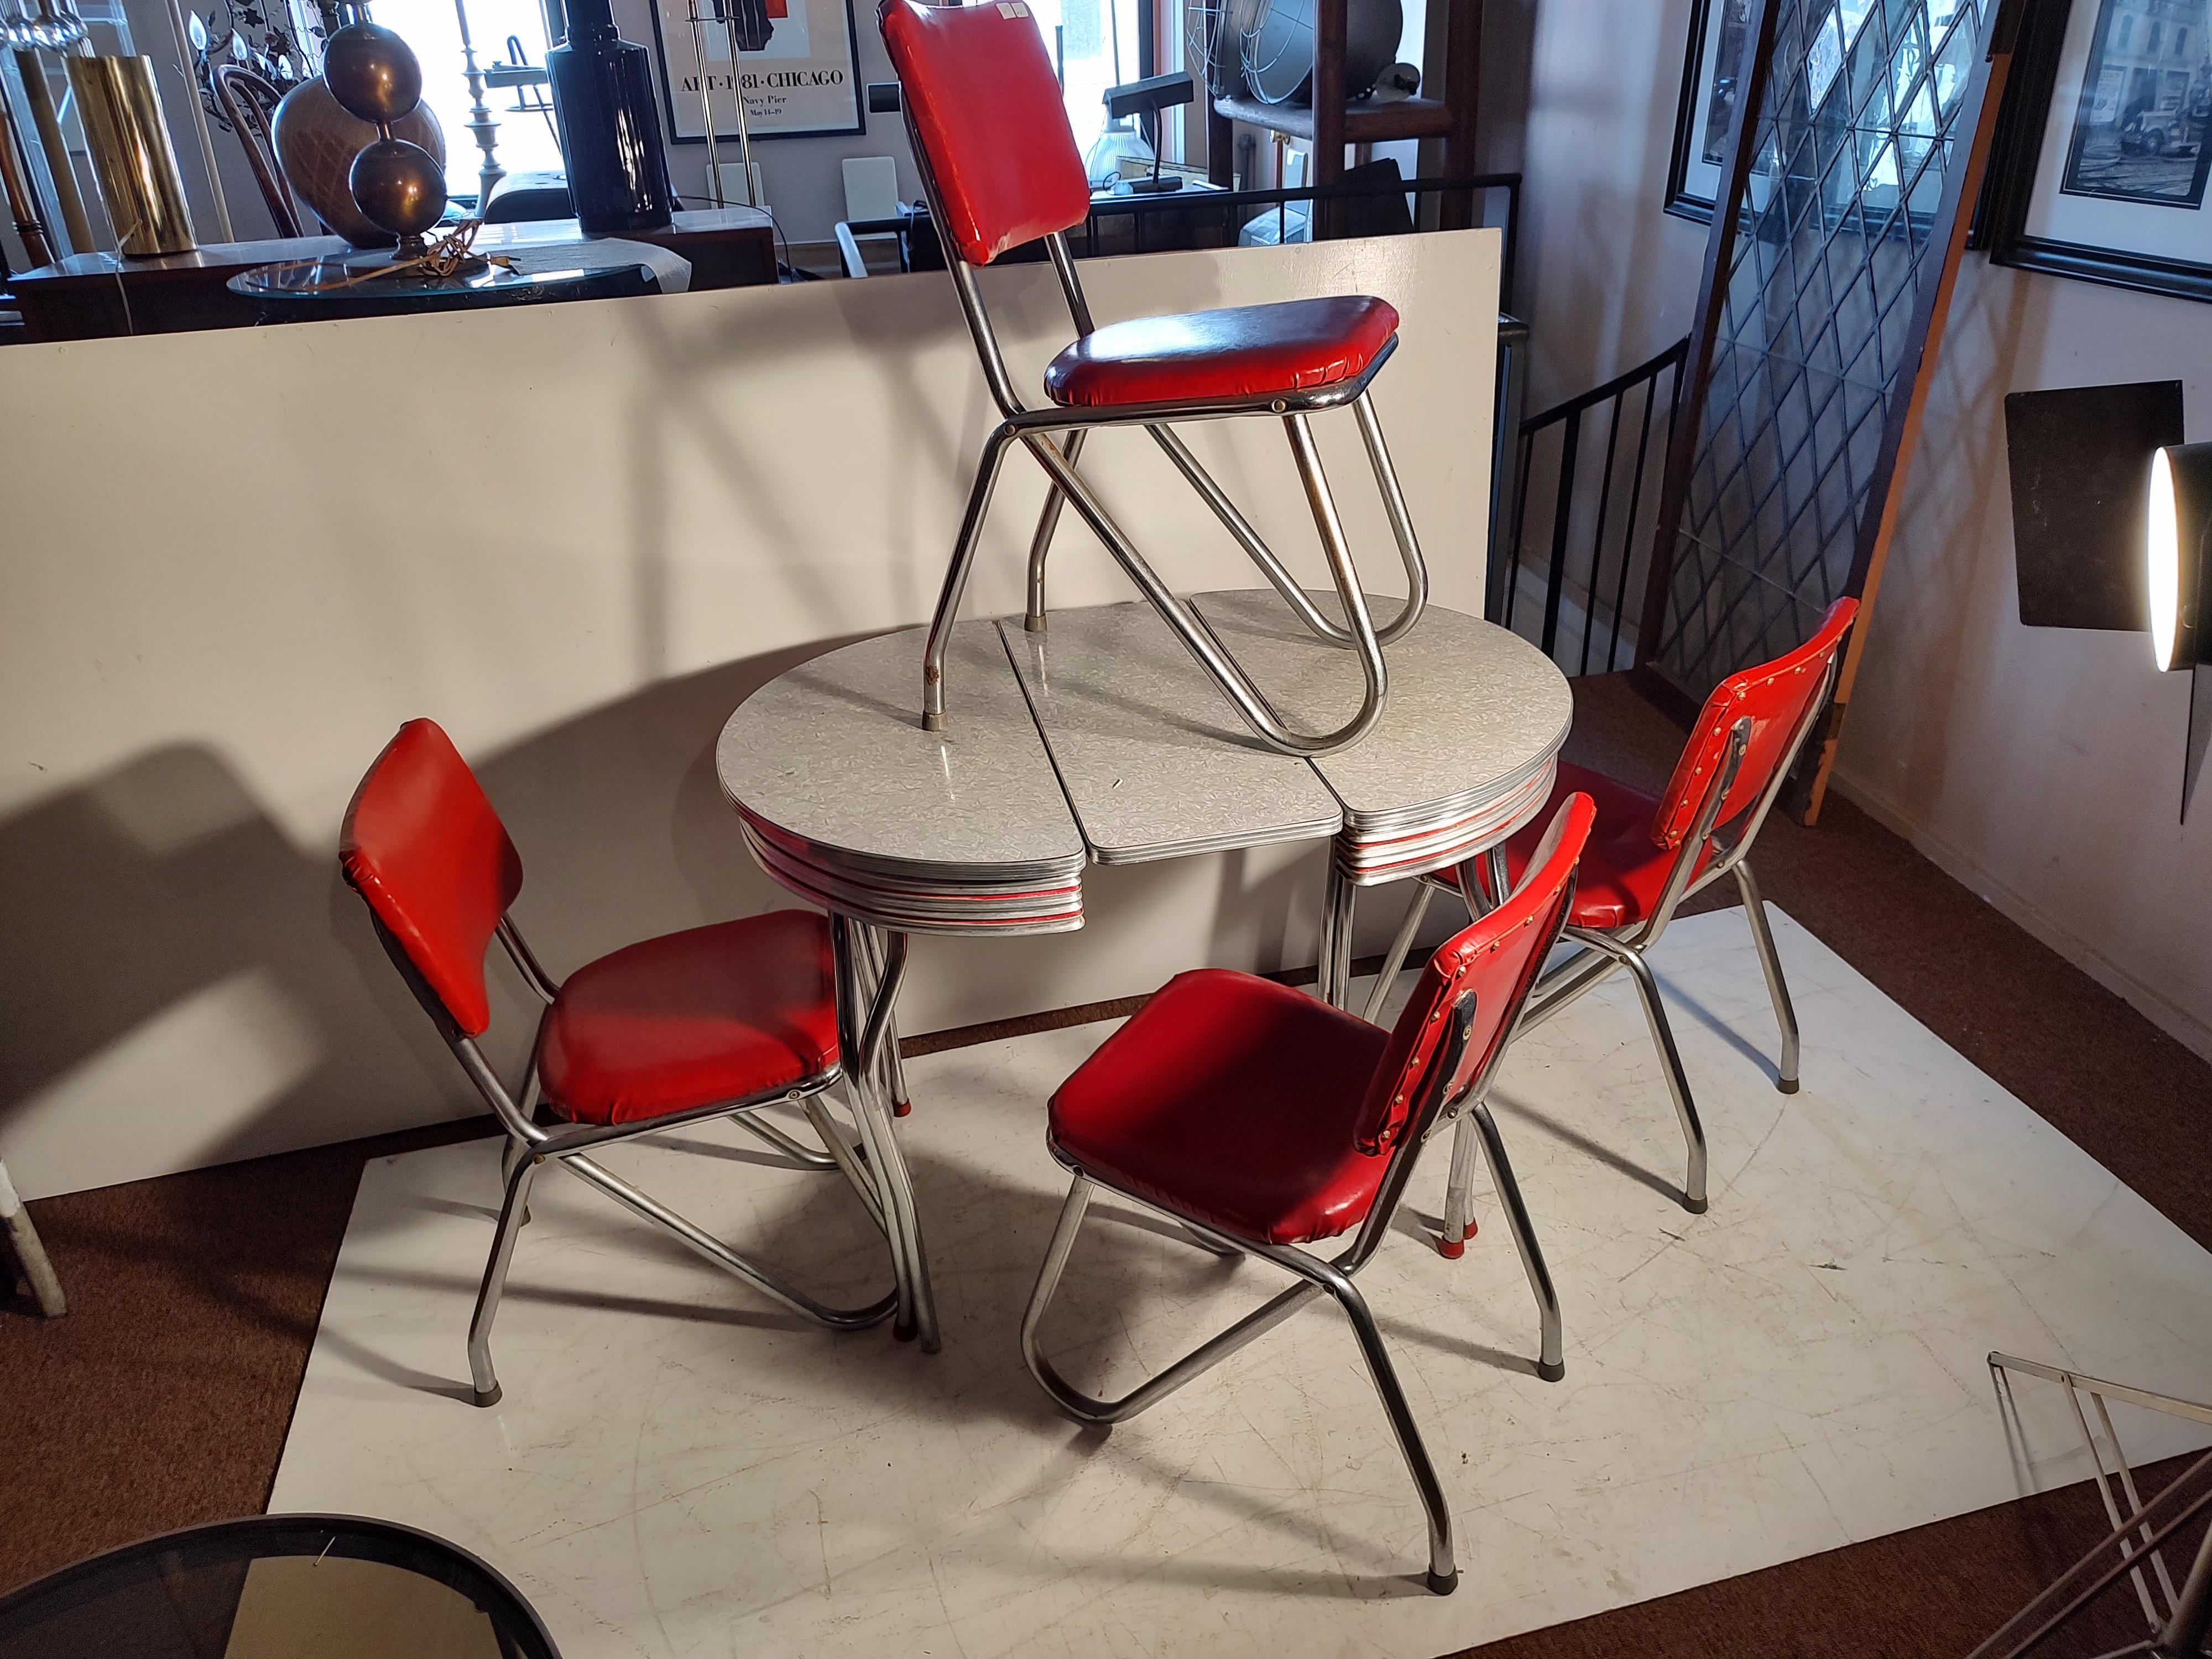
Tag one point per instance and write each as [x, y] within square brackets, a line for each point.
[906, 1333]
[486, 1397]
[1445, 1585]
[1695, 1205]
[1788, 1084]
[1553, 1372]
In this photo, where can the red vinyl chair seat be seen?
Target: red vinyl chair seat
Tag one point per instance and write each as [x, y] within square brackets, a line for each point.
[1242, 351]
[1233, 1101]
[692, 1018]
[1623, 869]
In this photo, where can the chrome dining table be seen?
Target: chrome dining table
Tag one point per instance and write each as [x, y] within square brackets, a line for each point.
[1097, 740]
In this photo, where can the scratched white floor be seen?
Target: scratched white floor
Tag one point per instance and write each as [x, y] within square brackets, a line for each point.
[679, 1470]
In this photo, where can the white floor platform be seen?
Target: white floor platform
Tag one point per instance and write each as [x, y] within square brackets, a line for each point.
[680, 1469]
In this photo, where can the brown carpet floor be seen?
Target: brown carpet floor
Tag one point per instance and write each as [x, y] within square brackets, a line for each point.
[163, 1398]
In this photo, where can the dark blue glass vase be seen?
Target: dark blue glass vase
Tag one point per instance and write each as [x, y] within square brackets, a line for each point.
[610, 125]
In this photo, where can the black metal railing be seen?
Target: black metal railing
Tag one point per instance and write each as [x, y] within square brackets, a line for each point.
[1589, 553]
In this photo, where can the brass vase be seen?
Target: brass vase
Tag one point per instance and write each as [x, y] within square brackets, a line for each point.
[316, 143]
[132, 154]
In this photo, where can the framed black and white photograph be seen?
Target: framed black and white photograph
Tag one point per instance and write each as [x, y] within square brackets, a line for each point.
[795, 62]
[2102, 160]
[1717, 28]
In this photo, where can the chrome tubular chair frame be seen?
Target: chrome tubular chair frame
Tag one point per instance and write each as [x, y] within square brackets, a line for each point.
[1039, 431]
[875, 1169]
[1599, 953]
[1315, 1276]
[2176, 1630]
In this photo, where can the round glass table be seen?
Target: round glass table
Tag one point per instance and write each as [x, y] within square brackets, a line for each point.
[276, 1587]
[336, 287]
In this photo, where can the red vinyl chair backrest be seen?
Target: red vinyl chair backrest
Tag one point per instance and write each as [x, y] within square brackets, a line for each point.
[1495, 961]
[423, 847]
[987, 109]
[1775, 697]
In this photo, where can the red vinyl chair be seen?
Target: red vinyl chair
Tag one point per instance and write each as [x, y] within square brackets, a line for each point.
[1259, 1118]
[713, 1022]
[1648, 854]
[999, 163]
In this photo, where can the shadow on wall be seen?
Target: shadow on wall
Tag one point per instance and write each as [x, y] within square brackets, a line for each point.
[185, 985]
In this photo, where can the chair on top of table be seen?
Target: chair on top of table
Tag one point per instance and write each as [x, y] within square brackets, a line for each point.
[1648, 853]
[712, 1022]
[1259, 1118]
[999, 163]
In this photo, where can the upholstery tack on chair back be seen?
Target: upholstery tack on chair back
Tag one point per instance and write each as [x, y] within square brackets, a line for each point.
[1494, 960]
[983, 95]
[1776, 697]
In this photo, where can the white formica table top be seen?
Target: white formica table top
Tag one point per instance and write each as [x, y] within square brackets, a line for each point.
[832, 754]
[1473, 712]
[1100, 739]
[1154, 761]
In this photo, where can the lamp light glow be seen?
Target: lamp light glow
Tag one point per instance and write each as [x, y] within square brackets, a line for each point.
[2165, 563]
[2177, 554]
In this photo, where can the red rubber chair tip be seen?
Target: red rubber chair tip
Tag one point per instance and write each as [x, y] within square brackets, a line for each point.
[1451, 1249]
[902, 1108]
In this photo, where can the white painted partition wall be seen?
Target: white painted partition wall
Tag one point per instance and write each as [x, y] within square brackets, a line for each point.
[232, 564]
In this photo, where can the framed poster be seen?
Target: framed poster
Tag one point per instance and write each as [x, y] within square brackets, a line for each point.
[797, 67]
[1708, 105]
[2102, 160]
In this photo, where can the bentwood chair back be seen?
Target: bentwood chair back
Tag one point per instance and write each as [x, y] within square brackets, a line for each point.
[712, 1022]
[1000, 166]
[1259, 1118]
[249, 101]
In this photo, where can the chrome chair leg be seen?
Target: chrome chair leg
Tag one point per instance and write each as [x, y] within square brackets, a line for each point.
[1458, 1192]
[798, 1152]
[513, 1211]
[1279, 576]
[1770, 961]
[956, 578]
[1670, 1058]
[1313, 1277]
[1443, 1576]
[1551, 1364]
[688, 1233]
[1033, 619]
[514, 1152]
[1393, 508]
[1102, 1414]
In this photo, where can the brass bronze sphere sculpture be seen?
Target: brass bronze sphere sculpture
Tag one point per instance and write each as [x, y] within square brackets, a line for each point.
[398, 187]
